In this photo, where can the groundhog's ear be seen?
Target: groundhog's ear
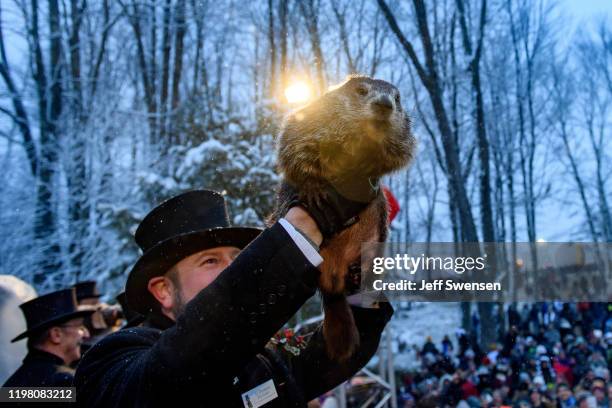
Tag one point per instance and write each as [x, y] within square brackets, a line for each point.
[348, 78]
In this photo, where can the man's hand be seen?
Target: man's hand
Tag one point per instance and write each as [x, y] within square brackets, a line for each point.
[334, 211]
[301, 220]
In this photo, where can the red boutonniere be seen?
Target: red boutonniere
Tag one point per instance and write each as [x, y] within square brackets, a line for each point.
[288, 341]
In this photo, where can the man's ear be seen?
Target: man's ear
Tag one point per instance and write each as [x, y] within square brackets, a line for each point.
[163, 291]
[55, 335]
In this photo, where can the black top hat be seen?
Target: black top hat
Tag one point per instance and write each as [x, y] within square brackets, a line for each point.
[86, 289]
[51, 309]
[183, 225]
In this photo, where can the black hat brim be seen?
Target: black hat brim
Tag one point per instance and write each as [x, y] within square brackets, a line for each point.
[163, 256]
[53, 322]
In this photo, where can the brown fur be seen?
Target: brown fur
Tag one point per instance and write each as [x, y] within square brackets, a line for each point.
[344, 135]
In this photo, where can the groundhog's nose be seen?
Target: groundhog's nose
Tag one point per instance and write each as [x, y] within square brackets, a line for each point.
[383, 103]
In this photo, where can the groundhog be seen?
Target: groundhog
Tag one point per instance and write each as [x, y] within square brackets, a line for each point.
[354, 134]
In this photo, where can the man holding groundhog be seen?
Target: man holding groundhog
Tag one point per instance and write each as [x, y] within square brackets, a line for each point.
[214, 295]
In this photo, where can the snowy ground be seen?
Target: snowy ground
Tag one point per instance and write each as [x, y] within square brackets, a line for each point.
[412, 327]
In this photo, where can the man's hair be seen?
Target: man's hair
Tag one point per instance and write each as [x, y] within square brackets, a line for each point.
[38, 338]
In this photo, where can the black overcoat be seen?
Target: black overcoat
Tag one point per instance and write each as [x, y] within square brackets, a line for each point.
[215, 352]
[41, 369]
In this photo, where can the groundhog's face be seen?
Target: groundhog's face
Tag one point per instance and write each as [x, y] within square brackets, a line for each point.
[358, 127]
[370, 100]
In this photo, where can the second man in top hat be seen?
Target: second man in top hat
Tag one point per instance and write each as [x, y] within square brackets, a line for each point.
[55, 331]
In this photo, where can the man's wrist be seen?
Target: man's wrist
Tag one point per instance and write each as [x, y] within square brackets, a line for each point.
[308, 248]
[310, 241]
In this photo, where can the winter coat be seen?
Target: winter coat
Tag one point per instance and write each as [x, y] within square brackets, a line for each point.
[41, 369]
[215, 352]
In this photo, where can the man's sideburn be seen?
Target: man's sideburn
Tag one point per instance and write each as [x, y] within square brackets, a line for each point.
[179, 303]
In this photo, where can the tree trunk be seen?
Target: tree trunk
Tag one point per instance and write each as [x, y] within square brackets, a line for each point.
[284, 9]
[488, 332]
[147, 72]
[178, 66]
[76, 166]
[163, 101]
[50, 109]
[271, 44]
[20, 116]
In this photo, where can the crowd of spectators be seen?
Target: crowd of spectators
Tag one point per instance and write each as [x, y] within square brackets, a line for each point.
[548, 355]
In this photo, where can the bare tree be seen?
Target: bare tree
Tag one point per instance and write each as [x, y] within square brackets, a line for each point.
[429, 75]
[565, 97]
[595, 107]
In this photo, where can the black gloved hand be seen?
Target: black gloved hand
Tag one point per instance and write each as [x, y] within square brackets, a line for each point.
[339, 206]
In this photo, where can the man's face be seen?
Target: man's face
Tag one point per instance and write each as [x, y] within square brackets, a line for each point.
[564, 393]
[599, 393]
[73, 334]
[197, 271]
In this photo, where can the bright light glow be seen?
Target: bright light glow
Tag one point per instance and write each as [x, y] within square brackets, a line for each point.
[298, 92]
[540, 240]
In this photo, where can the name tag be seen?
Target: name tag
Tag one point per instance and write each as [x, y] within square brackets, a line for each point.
[258, 396]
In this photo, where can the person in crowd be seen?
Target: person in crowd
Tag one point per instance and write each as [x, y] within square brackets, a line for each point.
[102, 321]
[55, 332]
[213, 296]
[565, 397]
[447, 346]
[429, 347]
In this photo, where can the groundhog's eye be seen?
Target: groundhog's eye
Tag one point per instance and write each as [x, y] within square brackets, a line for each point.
[362, 90]
[397, 98]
